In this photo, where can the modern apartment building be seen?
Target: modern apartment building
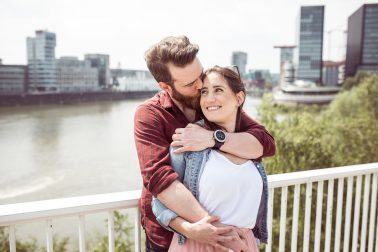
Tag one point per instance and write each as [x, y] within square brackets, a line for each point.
[362, 40]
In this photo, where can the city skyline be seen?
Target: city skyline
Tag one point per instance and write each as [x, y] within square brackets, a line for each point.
[126, 30]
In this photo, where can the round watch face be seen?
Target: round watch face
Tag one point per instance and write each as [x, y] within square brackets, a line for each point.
[220, 136]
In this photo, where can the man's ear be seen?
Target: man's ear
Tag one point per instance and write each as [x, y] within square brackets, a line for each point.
[164, 86]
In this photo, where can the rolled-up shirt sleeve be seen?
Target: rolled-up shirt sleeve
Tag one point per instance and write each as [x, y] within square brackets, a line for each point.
[247, 124]
[153, 150]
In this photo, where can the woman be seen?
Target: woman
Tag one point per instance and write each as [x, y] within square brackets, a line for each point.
[227, 186]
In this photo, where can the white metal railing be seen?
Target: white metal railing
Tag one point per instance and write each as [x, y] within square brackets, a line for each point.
[364, 236]
[47, 210]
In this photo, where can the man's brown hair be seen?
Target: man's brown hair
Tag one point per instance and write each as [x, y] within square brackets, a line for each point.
[176, 50]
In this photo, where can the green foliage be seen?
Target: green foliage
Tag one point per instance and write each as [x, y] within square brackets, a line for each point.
[354, 81]
[60, 245]
[343, 133]
[123, 236]
[352, 120]
[123, 239]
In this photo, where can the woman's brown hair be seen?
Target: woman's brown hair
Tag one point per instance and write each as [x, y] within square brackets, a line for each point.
[233, 80]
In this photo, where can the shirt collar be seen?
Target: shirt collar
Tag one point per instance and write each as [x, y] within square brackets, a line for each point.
[165, 100]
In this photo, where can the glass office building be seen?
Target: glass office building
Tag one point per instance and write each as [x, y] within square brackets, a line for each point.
[362, 41]
[41, 61]
[101, 62]
[240, 59]
[310, 44]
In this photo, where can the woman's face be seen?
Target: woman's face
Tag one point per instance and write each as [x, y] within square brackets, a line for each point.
[218, 102]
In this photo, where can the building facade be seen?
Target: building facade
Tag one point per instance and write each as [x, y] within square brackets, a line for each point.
[101, 62]
[286, 58]
[362, 40]
[134, 80]
[310, 46]
[41, 62]
[74, 75]
[333, 73]
[240, 59]
[13, 79]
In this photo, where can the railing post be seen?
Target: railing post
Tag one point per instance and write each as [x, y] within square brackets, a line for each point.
[283, 218]
[340, 192]
[137, 230]
[49, 236]
[270, 219]
[365, 213]
[318, 222]
[12, 239]
[329, 216]
[306, 233]
[356, 218]
[348, 210]
[372, 214]
[294, 230]
[111, 231]
[82, 233]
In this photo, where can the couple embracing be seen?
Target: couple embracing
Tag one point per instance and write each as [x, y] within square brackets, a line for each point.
[204, 187]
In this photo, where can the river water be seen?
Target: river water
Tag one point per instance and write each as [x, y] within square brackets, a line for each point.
[60, 151]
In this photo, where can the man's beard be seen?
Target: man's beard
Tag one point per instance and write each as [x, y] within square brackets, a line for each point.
[187, 101]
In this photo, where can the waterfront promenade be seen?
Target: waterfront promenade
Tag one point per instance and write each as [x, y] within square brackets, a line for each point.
[71, 98]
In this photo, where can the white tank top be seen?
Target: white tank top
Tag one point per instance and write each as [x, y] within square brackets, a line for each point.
[231, 191]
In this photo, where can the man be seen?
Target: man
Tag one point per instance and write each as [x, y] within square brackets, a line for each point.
[165, 120]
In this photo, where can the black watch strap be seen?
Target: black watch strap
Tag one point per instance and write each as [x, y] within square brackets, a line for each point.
[217, 145]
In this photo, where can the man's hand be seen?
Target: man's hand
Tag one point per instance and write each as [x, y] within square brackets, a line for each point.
[238, 245]
[192, 138]
[208, 231]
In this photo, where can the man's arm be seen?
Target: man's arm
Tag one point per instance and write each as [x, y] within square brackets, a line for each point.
[155, 164]
[252, 141]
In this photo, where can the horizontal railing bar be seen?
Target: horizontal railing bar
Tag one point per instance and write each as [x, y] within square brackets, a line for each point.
[293, 178]
[47, 209]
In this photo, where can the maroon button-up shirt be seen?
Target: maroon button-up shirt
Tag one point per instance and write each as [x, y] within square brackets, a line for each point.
[155, 122]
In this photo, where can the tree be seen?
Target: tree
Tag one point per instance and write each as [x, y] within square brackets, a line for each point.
[343, 133]
[354, 81]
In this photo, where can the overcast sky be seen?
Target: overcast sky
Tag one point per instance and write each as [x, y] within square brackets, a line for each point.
[124, 29]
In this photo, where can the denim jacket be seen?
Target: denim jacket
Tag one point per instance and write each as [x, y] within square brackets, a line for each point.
[189, 167]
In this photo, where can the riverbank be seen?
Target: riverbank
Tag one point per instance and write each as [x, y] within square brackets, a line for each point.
[71, 98]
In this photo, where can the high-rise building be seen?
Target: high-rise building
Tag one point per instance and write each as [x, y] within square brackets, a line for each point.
[310, 43]
[286, 57]
[101, 62]
[362, 41]
[74, 75]
[240, 59]
[41, 61]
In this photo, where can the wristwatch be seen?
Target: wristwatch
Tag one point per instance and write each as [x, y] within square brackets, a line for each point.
[220, 138]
